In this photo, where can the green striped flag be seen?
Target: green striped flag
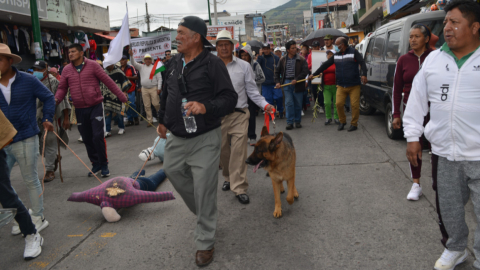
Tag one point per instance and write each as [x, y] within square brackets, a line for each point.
[157, 68]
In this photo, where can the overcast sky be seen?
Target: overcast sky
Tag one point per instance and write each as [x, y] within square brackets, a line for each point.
[176, 9]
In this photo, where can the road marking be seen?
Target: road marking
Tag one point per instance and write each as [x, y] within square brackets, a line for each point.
[104, 235]
[39, 264]
[75, 235]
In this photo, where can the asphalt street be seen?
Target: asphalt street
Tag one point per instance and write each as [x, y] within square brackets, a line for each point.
[352, 212]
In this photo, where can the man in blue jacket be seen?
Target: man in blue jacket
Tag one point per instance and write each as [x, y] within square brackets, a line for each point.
[269, 62]
[18, 102]
[346, 61]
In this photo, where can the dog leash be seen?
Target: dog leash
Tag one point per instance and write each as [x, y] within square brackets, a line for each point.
[267, 119]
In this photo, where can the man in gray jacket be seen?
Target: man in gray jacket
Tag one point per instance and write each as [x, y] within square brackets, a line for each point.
[246, 54]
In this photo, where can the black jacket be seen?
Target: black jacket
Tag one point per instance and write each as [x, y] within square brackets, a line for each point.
[301, 71]
[208, 82]
[346, 67]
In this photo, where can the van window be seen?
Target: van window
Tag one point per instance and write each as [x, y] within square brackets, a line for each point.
[378, 49]
[436, 26]
[393, 44]
[368, 54]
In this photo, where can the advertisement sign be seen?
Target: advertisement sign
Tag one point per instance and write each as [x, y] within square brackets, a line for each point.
[213, 30]
[258, 26]
[386, 8]
[395, 5]
[355, 6]
[320, 24]
[155, 46]
[237, 21]
[23, 7]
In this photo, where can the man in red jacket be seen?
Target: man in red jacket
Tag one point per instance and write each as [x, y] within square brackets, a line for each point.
[83, 77]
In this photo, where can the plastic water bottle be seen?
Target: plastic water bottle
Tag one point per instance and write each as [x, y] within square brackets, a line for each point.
[190, 124]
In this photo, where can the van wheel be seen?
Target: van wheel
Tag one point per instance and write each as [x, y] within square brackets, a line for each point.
[394, 134]
[365, 107]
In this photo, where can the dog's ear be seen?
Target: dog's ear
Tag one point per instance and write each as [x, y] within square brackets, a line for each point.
[276, 141]
[264, 131]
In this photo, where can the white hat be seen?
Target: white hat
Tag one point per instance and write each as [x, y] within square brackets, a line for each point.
[283, 49]
[147, 56]
[277, 49]
[224, 35]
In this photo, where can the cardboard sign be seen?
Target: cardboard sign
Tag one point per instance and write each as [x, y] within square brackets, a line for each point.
[318, 57]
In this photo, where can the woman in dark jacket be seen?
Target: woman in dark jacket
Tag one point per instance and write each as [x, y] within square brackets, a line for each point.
[407, 67]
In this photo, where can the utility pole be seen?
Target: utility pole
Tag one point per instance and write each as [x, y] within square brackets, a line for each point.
[37, 37]
[209, 14]
[215, 11]
[147, 17]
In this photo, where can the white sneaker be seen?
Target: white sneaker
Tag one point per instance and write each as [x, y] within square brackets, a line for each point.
[107, 134]
[40, 223]
[80, 139]
[16, 227]
[33, 246]
[121, 131]
[450, 259]
[154, 120]
[320, 110]
[415, 192]
[303, 113]
[145, 153]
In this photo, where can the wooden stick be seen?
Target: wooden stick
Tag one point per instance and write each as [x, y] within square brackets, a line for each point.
[297, 82]
[59, 156]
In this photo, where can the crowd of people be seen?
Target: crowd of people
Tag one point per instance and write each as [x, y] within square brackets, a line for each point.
[224, 94]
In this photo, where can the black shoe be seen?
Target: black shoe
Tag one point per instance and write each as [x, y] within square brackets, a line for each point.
[352, 128]
[337, 122]
[328, 122]
[129, 124]
[298, 125]
[136, 120]
[243, 199]
[289, 127]
[105, 171]
[95, 169]
[226, 186]
[282, 115]
[341, 126]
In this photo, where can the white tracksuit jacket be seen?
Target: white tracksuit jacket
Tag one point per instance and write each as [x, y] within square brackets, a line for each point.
[454, 96]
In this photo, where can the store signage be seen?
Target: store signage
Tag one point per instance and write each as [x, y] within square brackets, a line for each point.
[386, 8]
[212, 30]
[22, 7]
[155, 46]
[238, 21]
[395, 5]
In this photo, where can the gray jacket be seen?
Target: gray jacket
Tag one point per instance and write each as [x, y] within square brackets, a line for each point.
[257, 69]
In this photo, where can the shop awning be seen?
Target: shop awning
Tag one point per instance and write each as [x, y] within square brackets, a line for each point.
[104, 36]
[373, 14]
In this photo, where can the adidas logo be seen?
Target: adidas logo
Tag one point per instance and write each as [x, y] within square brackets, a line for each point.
[476, 68]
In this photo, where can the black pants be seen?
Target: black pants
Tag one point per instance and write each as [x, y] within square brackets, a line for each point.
[9, 199]
[252, 107]
[90, 125]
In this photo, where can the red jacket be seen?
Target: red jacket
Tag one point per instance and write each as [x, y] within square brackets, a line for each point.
[407, 67]
[85, 85]
[130, 72]
[329, 76]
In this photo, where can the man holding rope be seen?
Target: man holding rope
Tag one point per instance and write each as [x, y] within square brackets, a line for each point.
[19, 104]
[62, 114]
[83, 77]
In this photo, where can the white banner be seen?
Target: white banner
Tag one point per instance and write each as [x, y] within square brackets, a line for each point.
[155, 46]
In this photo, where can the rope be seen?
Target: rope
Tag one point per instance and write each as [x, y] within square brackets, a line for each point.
[138, 113]
[145, 163]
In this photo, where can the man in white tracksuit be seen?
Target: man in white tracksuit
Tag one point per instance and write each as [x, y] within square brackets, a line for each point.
[450, 81]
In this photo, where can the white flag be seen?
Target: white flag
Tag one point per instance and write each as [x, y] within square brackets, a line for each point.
[115, 50]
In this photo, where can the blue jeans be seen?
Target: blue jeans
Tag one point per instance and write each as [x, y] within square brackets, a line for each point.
[108, 120]
[293, 103]
[149, 183]
[131, 113]
[273, 95]
[26, 154]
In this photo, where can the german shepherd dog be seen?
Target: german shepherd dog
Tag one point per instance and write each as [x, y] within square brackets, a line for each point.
[277, 155]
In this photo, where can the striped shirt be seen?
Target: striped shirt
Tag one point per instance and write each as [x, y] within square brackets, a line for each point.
[290, 69]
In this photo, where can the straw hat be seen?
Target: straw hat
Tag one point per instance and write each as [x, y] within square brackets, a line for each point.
[5, 50]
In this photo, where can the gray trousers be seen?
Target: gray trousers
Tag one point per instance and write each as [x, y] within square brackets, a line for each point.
[51, 149]
[457, 181]
[191, 165]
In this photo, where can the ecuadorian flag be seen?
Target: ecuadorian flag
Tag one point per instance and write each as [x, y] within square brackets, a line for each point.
[157, 68]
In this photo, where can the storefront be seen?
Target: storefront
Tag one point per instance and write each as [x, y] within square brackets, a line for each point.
[59, 25]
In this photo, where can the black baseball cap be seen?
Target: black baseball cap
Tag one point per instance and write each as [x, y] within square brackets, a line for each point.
[124, 57]
[40, 65]
[197, 25]
[265, 45]
[316, 44]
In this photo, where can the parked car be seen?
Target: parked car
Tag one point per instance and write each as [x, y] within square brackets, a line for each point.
[384, 47]
[362, 46]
